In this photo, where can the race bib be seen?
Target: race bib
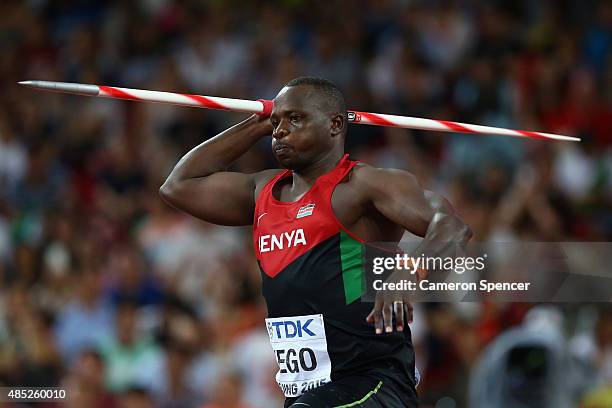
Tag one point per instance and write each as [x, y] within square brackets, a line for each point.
[300, 348]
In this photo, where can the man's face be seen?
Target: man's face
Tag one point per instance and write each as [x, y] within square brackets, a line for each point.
[301, 132]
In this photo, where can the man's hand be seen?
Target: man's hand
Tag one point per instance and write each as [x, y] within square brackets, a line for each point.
[391, 303]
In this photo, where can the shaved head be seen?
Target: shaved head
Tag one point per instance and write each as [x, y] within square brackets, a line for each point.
[329, 98]
[309, 122]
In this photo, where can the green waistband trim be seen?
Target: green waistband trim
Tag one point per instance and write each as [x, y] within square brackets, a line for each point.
[368, 395]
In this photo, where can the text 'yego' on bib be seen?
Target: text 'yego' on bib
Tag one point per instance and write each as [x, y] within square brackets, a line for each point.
[300, 347]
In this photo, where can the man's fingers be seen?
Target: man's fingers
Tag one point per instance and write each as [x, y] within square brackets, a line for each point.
[382, 315]
[370, 317]
[387, 313]
[378, 323]
[409, 312]
[398, 309]
[376, 317]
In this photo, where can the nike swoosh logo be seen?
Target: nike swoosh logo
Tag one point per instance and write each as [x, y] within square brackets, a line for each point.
[259, 218]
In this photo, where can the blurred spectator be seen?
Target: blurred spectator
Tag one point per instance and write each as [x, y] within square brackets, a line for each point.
[176, 391]
[5, 239]
[228, 392]
[13, 160]
[131, 357]
[136, 397]
[259, 371]
[594, 349]
[88, 319]
[130, 278]
[42, 183]
[86, 382]
[29, 355]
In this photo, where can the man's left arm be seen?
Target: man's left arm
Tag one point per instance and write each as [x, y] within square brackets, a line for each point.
[400, 198]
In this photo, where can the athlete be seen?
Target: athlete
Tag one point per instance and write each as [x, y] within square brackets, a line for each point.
[310, 220]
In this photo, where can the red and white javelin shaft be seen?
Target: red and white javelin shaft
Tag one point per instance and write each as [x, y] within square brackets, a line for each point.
[264, 107]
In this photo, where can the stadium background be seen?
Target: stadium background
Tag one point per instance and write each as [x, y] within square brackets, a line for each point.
[106, 290]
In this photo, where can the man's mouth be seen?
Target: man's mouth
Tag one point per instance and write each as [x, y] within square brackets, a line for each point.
[281, 148]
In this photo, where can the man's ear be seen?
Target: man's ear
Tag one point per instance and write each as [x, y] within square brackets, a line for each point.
[337, 124]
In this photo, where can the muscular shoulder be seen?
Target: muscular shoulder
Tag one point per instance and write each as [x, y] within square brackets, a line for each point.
[372, 180]
[261, 178]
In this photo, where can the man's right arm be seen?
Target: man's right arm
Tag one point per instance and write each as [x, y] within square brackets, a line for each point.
[200, 186]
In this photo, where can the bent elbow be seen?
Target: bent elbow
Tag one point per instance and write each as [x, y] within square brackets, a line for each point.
[166, 192]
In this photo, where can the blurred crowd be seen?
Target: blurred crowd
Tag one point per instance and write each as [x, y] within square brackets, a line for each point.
[108, 292]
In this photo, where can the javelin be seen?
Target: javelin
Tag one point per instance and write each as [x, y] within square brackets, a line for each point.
[262, 106]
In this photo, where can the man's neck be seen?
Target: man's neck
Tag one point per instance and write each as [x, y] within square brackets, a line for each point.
[304, 179]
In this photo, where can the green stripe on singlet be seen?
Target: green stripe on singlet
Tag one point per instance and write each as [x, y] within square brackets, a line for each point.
[365, 397]
[351, 258]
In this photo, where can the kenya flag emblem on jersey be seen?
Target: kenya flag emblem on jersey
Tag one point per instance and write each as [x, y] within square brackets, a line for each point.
[305, 211]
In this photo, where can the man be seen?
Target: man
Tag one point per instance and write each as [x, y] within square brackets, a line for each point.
[309, 223]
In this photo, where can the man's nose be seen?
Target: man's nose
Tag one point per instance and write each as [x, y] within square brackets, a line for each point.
[280, 131]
